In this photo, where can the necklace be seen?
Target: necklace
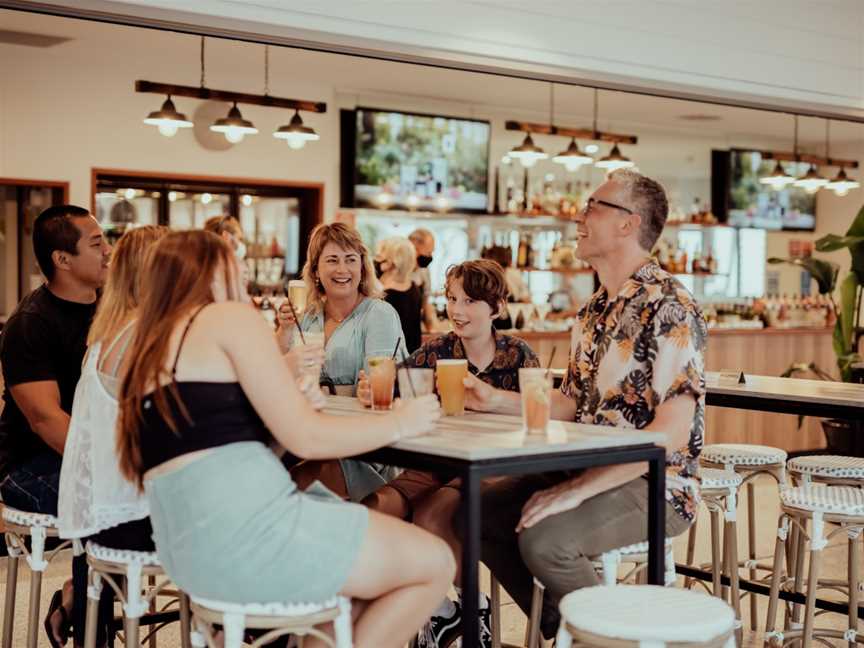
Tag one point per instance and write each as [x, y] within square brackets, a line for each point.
[339, 320]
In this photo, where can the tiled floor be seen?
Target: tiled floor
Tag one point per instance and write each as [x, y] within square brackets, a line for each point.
[513, 622]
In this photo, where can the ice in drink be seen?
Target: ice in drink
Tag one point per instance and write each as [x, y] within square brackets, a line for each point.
[449, 376]
[382, 376]
[535, 386]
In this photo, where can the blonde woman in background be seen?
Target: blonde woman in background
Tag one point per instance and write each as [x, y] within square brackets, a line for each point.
[344, 302]
[95, 501]
[395, 261]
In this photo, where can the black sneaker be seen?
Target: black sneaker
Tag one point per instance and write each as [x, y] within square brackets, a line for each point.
[486, 625]
[446, 629]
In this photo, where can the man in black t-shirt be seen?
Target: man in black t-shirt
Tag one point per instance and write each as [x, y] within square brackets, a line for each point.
[41, 350]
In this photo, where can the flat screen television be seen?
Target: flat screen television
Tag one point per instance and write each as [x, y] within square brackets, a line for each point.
[740, 200]
[416, 161]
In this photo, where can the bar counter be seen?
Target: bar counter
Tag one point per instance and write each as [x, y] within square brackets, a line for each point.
[764, 352]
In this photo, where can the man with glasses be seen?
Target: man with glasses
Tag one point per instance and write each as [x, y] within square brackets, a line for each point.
[636, 361]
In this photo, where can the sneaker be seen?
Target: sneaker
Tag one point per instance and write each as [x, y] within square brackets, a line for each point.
[445, 629]
[425, 638]
[486, 625]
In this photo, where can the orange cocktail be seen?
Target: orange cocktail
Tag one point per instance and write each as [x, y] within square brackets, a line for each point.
[535, 386]
[382, 376]
[449, 377]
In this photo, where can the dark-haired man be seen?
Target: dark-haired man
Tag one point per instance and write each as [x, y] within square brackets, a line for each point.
[41, 350]
[636, 361]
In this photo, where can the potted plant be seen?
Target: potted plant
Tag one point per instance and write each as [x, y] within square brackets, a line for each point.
[847, 330]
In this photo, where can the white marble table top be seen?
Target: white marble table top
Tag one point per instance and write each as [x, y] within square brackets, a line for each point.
[477, 436]
[792, 389]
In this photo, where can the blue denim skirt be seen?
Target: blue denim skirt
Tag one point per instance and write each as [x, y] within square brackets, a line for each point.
[232, 526]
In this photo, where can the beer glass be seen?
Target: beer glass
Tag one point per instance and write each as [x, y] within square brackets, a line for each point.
[297, 295]
[449, 375]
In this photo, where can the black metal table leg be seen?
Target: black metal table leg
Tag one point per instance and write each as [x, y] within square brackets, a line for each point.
[470, 558]
[657, 517]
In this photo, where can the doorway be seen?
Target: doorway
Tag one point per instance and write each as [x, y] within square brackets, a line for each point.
[21, 201]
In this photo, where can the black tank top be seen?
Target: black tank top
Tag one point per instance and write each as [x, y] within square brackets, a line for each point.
[219, 414]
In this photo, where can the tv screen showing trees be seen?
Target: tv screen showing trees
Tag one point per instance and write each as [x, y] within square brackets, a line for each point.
[421, 162]
[753, 204]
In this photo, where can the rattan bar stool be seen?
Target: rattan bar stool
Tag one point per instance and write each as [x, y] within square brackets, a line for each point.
[279, 619]
[719, 492]
[38, 527]
[818, 504]
[606, 564]
[109, 565]
[644, 616]
[749, 461]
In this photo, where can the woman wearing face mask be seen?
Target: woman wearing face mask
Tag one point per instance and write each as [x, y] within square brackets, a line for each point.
[394, 263]
[343, 302]
[424, 244]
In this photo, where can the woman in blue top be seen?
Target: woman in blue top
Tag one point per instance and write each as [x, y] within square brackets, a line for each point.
[343, 302]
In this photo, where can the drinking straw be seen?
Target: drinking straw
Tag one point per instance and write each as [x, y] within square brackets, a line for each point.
[396, 350]
[408, 373]
[551, 358]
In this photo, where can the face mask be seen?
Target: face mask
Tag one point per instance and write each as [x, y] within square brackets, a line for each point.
[424, 260]
[378, 270]
[240, 252]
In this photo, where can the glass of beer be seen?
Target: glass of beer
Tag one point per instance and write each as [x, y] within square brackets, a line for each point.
[297, 295]
[449, 375]
[382, 377]
[421, 382]
[535, 386]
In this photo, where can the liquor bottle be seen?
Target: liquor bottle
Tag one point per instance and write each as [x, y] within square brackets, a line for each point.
[522, 253]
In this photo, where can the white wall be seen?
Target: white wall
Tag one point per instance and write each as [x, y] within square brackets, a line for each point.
[791, 51]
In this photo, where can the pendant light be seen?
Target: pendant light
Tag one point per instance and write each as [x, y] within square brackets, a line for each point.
[615, 159]
[296, 134]
[572, 158]
[167, 119]
[811, 182]
[841, 184]
[778, 178]
[527, 152]
[234, 127]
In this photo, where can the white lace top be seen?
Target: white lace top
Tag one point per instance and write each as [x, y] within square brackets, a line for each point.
[94, 495]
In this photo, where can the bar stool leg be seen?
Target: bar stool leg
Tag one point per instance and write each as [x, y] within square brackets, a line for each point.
[800, 553]
[854, 567]
[776, 576]
[715, 553]
[751, 532]
[94, 593]
[812, 586]
[130, 628]
[731, 537]
[691, 551]
[185, 622]
[11, 587]
[151, 582]
[533, 639]
[38, 564]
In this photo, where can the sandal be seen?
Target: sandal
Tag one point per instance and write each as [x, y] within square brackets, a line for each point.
[65, 623]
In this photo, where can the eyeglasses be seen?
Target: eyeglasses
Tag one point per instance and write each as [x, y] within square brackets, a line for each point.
[592, 203]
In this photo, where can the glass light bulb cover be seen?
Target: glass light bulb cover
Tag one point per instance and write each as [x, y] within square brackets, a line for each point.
[296, 132]
[234, 123]
[842, 182]
[615, 160]
[234, 136]
[168, 130]
[528, 162]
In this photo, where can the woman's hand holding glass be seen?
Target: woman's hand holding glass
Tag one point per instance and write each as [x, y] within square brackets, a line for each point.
[416, 417]
[364, 389]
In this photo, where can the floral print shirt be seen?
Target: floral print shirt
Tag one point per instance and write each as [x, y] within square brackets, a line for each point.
[632, 353]
[511, 354]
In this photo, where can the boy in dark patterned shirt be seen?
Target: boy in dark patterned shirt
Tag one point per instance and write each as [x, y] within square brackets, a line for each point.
[476, 296]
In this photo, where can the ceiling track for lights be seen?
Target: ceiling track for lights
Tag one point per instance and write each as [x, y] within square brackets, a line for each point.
[197, 92]
[785, 156]
[565, 131]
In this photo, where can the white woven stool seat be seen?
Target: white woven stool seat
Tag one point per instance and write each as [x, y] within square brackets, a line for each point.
[742, 454]
[648, 614]
[28, 519]
[821, 498]
[716, 478]
[834, 466]
[280, 617]
[122, 556]
[637, 549]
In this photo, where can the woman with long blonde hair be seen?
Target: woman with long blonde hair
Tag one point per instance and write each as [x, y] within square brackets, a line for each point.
[94, 500]
[204, 389]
